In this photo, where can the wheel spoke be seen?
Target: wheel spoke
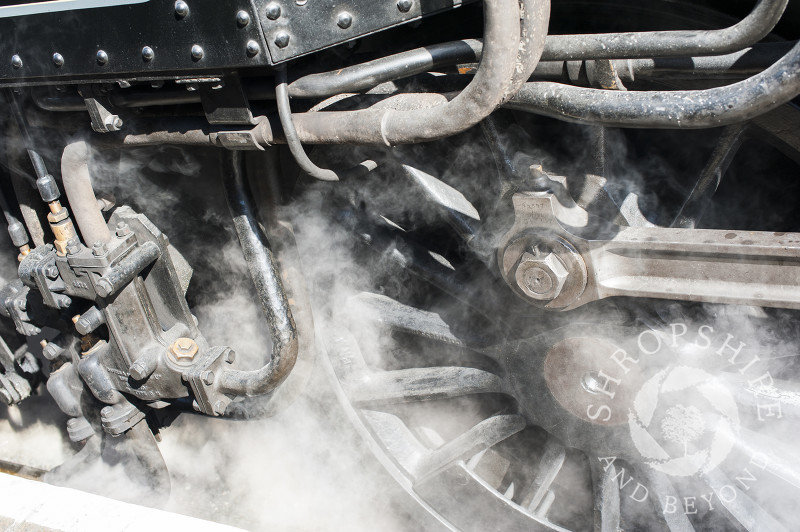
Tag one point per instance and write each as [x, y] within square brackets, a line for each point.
[485, 434]
[711, 176]
[741, 508]
[659, 484]
[770, 455]
[605, 494]
[421, 384]
[538, 493]
[765, 395]
[406, 319]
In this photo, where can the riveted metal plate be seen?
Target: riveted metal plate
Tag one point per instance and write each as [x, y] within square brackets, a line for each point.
[311, 25]
[35, 34]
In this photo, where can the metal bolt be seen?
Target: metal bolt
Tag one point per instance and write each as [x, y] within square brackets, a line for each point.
[344, 20]
[197, 52]
[181, 8]
[184, 349]
[112, 122]
[58, 59]
[219, 408]
[122, 229]
[207, 377]
[282, 39]
[73, 249]
[51, 271]
[107, 411]
[99, 248]
[102, 57]
[16, 61]
[273, 11]
[541, 278]
[404, 5]
[196, 406]
[242, 18]
[230, 356]
[253, 48]
[148, 54]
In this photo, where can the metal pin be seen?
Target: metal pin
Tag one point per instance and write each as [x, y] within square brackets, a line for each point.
[253, 48]
[148, 54]
[102, 57]
[16, 61]
[242, 18]
[282, 39]
[58, 59]
[344, 20]
[197, 52]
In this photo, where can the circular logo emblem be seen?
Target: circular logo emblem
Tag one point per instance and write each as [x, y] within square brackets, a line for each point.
[683, 421]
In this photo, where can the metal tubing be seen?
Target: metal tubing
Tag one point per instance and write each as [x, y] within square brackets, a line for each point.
[127, 269]
[78, 186]
[367, 75]
[751, 29]
[269, 287]
[535, 18]
[487, 91]
[695, 109]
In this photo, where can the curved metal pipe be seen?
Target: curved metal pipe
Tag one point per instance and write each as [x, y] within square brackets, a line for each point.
[78, 186]
[535, 19]
[487, 91]
[634, 45]
[269, 287]
[695, 109]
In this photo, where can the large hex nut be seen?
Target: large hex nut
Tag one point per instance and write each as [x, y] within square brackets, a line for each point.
[541, 276]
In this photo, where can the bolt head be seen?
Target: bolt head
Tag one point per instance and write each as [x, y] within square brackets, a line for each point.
[122, 229]
[197, 52]
[181, 8]
[58, 59]
[16, 61]
[102, 57]
[207, 377]
[404, 5]
[148, 53]
[242, 18]
[184, 349]
[253, 48]
[344, 20]
[51, 272]
[273, 11]
[107, 411]
[219, 408]
[541, 276]
[98, 249]
[196, 406]
[230, 356]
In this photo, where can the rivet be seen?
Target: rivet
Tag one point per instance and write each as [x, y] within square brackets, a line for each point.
[16, 61]
[181, 8]
[273, 11]
[148, 54]
[404, 5]
[102, 57]
[253, 48]
[197, 52]
[282, 39]
[242, 18]
[344, 20]
[58, 59]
